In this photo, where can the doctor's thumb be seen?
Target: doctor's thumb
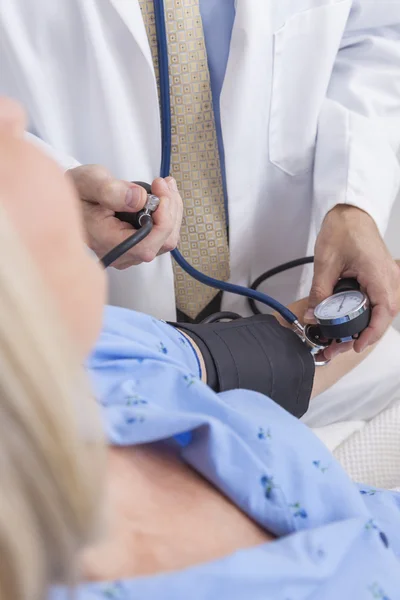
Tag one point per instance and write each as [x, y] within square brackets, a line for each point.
[324, 280]
[121, 196]
[96, 184]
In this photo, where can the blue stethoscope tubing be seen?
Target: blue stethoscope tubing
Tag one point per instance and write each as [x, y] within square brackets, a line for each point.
[165, 102]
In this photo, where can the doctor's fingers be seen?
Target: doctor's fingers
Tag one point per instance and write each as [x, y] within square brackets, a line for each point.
[161, 239]
[384, 295]
[167, 220]
[105, 232]
[95, 184]
[327, 270]
[168, 216]
[337, 348]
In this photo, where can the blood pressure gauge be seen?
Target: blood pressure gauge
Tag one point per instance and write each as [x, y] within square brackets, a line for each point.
[344, 315]
[341, 317]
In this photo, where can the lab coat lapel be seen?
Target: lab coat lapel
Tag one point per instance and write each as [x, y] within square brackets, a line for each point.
[243, 112]
[130, 13]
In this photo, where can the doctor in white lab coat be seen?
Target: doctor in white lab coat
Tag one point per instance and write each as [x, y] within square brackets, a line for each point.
[310, 118]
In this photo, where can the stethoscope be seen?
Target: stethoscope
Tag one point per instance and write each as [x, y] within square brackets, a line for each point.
[341, 317]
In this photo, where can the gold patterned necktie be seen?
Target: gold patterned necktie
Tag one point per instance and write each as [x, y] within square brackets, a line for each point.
[195, 162]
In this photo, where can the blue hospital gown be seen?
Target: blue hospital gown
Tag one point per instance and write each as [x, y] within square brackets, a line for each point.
[336, 540]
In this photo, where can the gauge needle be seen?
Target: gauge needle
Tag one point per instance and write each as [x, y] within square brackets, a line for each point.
[341, 306]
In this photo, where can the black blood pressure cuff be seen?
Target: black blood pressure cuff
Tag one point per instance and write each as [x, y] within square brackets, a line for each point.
[258, 354]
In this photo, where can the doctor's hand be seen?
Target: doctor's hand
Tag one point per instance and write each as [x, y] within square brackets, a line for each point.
[350, 245]
[102, 196]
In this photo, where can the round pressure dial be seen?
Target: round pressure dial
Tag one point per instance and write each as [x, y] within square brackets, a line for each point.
[345, 305]
[344, 315]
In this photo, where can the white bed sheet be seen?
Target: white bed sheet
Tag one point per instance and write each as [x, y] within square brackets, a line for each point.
[372, 454]
[372, 387]
[359, 418]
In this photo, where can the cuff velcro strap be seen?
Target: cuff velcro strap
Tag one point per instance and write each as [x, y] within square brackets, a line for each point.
[257, 354]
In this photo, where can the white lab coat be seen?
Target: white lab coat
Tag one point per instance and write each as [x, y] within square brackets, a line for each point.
[310, 112]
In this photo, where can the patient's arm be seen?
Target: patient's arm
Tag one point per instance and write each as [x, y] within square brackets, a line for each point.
[342, 364]
[324, 377]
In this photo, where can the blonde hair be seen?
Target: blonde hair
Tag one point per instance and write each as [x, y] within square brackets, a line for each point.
[50, 464]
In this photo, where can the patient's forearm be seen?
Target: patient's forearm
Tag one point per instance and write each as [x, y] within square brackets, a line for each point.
[324, 377]
[327, 376]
